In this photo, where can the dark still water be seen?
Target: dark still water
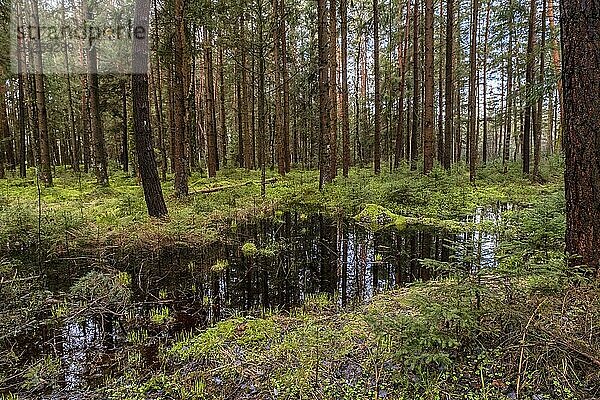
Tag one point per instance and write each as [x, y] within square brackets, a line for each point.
[268, 264]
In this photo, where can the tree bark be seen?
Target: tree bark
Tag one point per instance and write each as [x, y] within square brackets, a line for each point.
[449, 89]
[414, 140]
[4, 130]
[211, 136]
[402, 64]
[278, 100]
[286, 87]
[345, 113]
[485, 72]
[141, 117]
[21, 120]
[580, 24]
[377, 78]
[473, 92]
[428, 138]
[556, 61]
[440, 99]
[40, 96]
[323, 92]
[509, 90]
[222, 112]
[529, 111]
[125, 127]
[537, 138]
[333, 112]
[157, 82]
[179, 156]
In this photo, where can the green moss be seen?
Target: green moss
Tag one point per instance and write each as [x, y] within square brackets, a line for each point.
[376, 217]
[220, 266]
[77, 209]
[249, 249]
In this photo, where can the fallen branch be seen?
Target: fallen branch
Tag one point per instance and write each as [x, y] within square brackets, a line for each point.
[9, 281]
[219, 188]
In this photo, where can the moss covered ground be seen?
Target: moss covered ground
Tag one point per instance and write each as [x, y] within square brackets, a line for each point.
[77, 213]
[527, 329]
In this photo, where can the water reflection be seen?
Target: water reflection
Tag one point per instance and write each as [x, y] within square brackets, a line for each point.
[299, 255]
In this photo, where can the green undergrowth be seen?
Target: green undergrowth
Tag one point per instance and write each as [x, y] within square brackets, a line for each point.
[526, 329]
[452, 338]
[76, 213]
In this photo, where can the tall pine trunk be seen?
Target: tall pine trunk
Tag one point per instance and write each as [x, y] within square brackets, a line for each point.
[377, 77]
[141, 117]
[333, 112]
[473, 92]
[323, 92]
[212, 152]
[485, 72]
[509, 90]
[449, 89]
[428, 138]
[178, 139]
[414, 140]
[402, 64]
[537, 138]
[40, 97]
[529, 115]
[580, 24]
[344, 105]
[556, 62]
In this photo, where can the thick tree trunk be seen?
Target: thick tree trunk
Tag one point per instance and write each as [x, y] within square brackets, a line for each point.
[580, 24]
[141, 118]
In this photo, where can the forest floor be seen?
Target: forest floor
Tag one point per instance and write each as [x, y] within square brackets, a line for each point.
[76, 213]
[527, 329]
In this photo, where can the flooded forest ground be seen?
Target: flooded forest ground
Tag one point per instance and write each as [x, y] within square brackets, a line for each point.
[396, 286]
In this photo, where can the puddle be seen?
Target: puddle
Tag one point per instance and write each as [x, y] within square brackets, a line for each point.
[296, 256]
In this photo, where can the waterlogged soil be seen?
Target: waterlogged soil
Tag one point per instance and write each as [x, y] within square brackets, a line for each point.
[263, 266]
